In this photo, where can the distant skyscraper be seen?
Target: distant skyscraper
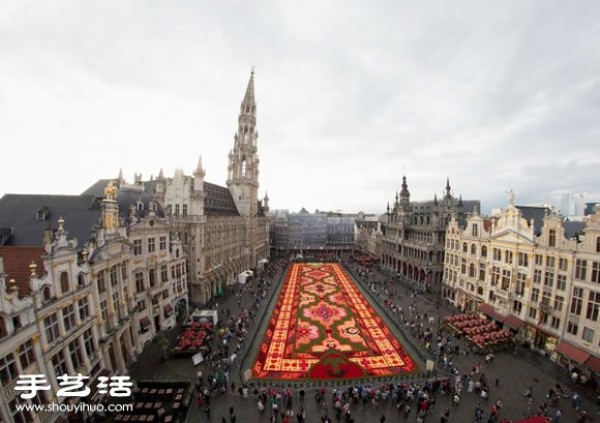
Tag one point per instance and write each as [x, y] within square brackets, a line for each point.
[571, 205]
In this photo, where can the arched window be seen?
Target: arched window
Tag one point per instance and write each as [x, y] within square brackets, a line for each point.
[552, 238]
[472, 270]
[598, 244]
[484, 251]
[465, 247]
[244, 167]
[64, 282]
[473, 249]
[479, 290]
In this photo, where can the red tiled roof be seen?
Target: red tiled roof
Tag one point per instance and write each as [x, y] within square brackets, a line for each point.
[16, 265]
[572, 352]
[513, 322]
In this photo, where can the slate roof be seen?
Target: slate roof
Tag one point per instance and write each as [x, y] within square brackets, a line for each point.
[536, 213]
[573, 229]
[218, 201]
[126, 195]
[19, 215]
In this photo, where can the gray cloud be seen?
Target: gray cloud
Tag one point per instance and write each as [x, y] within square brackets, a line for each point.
[351, 95]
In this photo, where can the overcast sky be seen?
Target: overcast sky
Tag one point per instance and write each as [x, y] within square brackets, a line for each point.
[350, 96]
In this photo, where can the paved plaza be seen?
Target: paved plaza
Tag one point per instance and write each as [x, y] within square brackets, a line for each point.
[509, 374]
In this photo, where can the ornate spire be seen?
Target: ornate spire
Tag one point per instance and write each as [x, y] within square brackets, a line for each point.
[161, 174]
[199, 169]
[249, 96]
[448, 190]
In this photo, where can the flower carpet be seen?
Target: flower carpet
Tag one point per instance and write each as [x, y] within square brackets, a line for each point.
[323, 327]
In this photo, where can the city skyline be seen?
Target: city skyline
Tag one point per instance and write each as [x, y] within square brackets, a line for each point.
[350, 97]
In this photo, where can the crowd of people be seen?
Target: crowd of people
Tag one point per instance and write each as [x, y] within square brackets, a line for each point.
[415, 400]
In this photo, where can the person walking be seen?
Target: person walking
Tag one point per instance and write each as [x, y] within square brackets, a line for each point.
[207, 412]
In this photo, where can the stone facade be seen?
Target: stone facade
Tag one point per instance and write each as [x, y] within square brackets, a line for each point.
[368, 235]
[414, 235]
[224, 230]
[78, 307]
[533, 272]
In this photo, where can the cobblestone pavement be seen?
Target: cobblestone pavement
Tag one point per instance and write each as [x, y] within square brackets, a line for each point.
[515, 370]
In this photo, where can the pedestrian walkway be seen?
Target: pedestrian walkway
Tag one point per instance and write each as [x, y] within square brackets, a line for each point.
[514, 371]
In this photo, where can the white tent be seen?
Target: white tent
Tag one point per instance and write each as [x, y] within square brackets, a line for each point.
[244, 275]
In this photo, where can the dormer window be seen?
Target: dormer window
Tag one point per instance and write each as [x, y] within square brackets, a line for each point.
[42, 213]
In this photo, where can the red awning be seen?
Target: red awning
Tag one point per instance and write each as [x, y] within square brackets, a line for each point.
[145, 322]
[593, 363]
[572, 352]
[513, 322]
[168, 309]
[491, 311]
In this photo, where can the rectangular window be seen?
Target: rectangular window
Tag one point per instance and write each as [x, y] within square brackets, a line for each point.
[176, 209]
[51, 328]
[495, 275]
[572, 328]
[588, 334]
[517, 307]
[84, 308]
[59, 363]
[151, 245]
[162, 245]
[117, 304]
[535, 295]
[563, 264]
[76, 358]
[8, 368]
[550, 262]
[152, 277]
[482, 272]
[69, 317]
[558, 303]
[523, 260]
[506, 279]
[539, 259]
[521, 277]
[141, 305]
[88, 344]
[576, 301]
[595, 272]
[26, 354]
[105, 316]
[100, 281]
[593, 306]
[532, 312]
[561, 282]
[139, 282]
[113, 276]
[555, 322]
[549, 279]
[474, 230]
[497, 254]
[185, 210]
[508, 257]
[164, 273]
[137, 247]
[580, 269]
[537, 276]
